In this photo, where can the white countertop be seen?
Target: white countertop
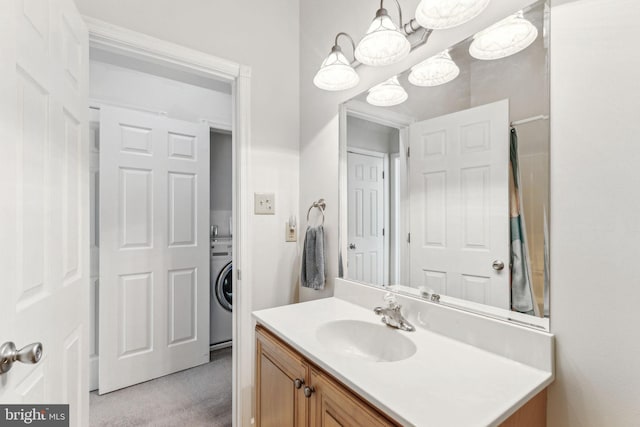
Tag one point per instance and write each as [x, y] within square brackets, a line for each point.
[445, 383]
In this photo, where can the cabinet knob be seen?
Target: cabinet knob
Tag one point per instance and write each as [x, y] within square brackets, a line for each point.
[298, 383]
[308, 391]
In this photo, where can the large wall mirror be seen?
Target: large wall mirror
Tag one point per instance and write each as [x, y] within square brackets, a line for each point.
[445, 176]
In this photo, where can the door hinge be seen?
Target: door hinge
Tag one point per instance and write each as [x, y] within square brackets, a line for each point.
[408, 237]
[382, 174]
[408, 151]
[383, 232]
[239, 277]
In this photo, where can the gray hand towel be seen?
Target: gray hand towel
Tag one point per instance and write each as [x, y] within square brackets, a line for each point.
[312, 274]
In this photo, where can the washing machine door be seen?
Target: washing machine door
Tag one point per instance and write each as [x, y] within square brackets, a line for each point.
[224, 287]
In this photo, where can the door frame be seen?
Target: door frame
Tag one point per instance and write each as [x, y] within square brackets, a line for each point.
[105, 36]
[391, 119]
[394, 172]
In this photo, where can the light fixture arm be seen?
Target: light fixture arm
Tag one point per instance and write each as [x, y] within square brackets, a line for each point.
[424, 37]
[407, 28]
[353, 44]
[412, 26]
[399, 12]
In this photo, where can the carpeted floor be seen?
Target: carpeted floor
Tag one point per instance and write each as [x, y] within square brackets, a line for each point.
[200, 396]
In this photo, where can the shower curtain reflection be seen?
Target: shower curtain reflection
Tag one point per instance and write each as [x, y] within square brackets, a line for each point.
[523, 298]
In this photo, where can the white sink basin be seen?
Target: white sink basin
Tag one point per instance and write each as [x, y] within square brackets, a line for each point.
[366, 341]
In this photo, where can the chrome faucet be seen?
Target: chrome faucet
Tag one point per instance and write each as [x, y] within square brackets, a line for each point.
[392, 316]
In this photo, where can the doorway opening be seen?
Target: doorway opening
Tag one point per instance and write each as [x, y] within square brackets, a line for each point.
[189, 98]
[221, 235]
[375, 163]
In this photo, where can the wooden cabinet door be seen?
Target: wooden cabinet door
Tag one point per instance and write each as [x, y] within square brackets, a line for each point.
[278, 402]
[332, 405]
[532, 414]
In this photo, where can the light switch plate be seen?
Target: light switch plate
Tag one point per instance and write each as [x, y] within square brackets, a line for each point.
[264, 203]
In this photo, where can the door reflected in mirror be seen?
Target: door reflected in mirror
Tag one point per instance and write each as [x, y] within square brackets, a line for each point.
[448, 192]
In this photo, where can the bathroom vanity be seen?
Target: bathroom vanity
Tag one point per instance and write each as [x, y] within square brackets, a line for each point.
[292, 390]
[332, 362]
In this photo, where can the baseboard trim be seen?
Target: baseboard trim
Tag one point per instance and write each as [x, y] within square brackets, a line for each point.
[220, 345]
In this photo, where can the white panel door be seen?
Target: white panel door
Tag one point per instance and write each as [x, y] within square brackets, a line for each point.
[154, 246]
[365, 245]
[459, 204]
[44, 201]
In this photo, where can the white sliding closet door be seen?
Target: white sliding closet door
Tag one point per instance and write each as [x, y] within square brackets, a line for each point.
[459, 192]
[44, 201]
[154, 246]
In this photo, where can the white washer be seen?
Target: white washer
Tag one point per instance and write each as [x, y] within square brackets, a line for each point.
[220, 321]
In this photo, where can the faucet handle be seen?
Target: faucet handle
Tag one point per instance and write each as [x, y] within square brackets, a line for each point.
[391, 301]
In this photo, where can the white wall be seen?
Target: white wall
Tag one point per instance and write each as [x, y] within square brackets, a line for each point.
[595, 213]
[595, 208]
[372, 136]
[131, 88]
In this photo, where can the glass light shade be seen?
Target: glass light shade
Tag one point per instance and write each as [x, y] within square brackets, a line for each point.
[383, 44]
[507, 37]
[435, 71]
[336, 73]
[441, 14]
[387, 94]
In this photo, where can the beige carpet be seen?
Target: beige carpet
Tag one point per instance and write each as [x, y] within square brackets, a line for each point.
[200, 396]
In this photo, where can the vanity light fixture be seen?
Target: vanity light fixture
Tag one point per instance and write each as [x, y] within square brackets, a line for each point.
[387, 94]
[435, 71]
[442, 14]
[507, 37]
[384, 43]
[336, 72]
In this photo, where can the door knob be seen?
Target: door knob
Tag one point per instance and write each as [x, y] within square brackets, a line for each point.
[352, 246]
[308, 391]
[498, 265]
[31, 353]
[298, 383]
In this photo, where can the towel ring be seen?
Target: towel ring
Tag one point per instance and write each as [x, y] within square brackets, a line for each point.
[320, 204]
